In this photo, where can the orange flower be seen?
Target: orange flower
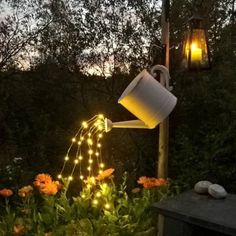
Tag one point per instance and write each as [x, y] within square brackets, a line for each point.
[19, 230]
[161, 182]
[142, 179]
[6, 192]
[42, 179]
[49, 188]
[46, 185]
[151, 182]
[25, 191]
[105, 174]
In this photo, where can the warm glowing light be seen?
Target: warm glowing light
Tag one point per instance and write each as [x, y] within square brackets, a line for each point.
[83, 195]
[107, 206]
[93, 180]
[90, 151]
[100, 171]
[95, 201]
[100, 127]
[89, 141]
[84, 124]
[195, 47]
[70, 178]
[98, 194]
[85, 144]
[89, 185]
[196, 52]
[59, 176]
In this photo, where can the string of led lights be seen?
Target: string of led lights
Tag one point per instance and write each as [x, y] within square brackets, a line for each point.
[85, 146]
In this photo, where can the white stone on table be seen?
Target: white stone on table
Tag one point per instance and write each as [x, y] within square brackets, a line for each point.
[202, 186]
[217, 191]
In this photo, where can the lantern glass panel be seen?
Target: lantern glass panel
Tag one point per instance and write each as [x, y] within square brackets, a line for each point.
[196, 54]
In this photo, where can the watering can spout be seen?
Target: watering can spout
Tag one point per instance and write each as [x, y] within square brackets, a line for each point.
[137, 124]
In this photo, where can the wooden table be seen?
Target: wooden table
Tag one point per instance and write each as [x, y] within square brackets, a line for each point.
[192, 214]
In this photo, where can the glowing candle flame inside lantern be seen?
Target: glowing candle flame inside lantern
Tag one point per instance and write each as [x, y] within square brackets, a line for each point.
[90, 133]
[196, 53]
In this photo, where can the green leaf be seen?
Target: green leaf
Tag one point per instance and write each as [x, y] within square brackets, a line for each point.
[86, 225]
[149, 232]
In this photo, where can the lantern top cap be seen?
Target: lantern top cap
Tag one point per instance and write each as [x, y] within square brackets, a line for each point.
[195, 17]
[195, 21]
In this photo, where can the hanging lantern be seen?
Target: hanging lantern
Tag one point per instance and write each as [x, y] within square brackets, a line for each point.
[196, 50]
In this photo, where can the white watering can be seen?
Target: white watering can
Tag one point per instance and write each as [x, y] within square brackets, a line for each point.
[147, 99]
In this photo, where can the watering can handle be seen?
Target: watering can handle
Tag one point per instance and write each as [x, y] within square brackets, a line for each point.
[166, 75]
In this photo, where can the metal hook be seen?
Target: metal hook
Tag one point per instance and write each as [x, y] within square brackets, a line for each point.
[166, 75]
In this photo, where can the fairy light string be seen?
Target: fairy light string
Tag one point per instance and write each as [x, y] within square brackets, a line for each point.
[85, 150]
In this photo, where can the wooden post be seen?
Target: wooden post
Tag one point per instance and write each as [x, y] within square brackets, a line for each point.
[162, 168]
